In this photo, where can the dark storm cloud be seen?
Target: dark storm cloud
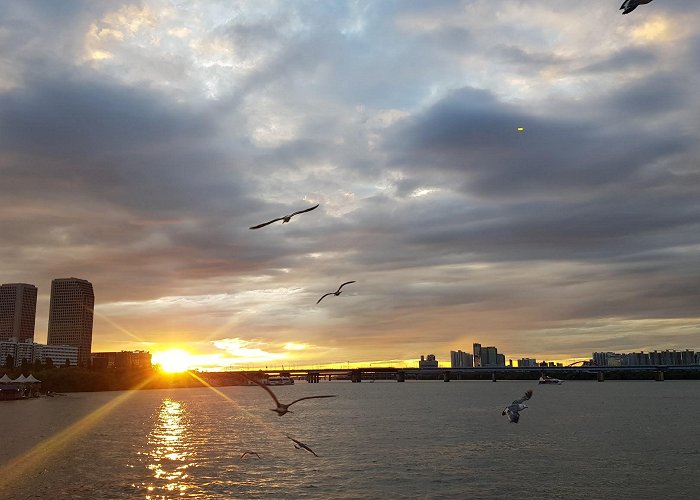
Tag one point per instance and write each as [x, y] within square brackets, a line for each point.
[72, 116]
[472, 134]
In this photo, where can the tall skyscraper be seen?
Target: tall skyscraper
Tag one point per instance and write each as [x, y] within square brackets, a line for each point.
[477, 354]
[70, 316]
[17, 311]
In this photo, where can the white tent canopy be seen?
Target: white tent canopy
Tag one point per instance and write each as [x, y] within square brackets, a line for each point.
[20, 380]
[32, 380]
[5, 379]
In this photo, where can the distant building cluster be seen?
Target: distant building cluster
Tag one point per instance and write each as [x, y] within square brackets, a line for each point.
[487, 356]
[479, 357]
[533, 363]
[70, 323]
[654, 358]
[15, 354]
[69, 340]
[122, 359]
[429, 362]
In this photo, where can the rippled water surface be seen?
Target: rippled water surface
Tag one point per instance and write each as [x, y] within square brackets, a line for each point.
[375, 440]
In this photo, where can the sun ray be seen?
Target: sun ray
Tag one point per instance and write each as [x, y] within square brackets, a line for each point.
[118, 327]
[25, 465]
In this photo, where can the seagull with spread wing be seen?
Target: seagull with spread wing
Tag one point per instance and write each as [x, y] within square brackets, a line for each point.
[630, 5]
[336, 293]
[284, 219]
[281, 407]
[251, 453]
[513, 410]
[301, 446]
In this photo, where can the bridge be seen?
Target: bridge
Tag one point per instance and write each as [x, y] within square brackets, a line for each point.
[370, 373]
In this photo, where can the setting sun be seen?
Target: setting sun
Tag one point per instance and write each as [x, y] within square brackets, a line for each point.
[173, 360]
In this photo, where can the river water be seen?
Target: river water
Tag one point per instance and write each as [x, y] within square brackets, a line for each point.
[625, 439]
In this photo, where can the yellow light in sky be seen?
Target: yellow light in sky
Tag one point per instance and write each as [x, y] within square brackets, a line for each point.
[520, 129]
[173, 360]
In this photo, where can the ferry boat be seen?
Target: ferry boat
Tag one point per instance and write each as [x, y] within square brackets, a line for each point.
[550, 380]
[280, 380]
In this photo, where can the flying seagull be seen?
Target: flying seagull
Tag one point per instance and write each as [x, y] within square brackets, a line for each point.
[336, 293]
[284, 219]
[513, 410]
[630, 5]
[282, 408]
[251, 453]
[301, 446]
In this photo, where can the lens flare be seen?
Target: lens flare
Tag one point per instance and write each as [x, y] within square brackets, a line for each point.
[173, 360]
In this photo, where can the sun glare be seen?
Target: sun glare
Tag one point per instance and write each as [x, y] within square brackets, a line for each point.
[173, 360]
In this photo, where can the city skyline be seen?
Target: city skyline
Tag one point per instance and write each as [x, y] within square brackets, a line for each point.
[488, 169]
[176, 358]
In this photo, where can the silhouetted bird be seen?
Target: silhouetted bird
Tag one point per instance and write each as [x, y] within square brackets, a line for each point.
[249, 453]
[282, 408]
[336, 293]
[630, 5]
[516, 406]
[284, 219]
[301, 446]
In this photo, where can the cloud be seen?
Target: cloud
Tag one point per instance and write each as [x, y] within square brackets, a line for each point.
[139, 142]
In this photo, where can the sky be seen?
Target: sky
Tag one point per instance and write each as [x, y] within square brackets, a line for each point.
[520, 173]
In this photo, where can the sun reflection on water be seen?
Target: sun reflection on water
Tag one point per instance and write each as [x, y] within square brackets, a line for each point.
[169, 455]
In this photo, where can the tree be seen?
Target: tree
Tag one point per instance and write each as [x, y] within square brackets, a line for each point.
[9, 362]
[48, 363]
[67, 363]
[25, 364]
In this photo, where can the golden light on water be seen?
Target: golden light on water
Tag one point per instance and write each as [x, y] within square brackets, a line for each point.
[27, 463]
[170, 454]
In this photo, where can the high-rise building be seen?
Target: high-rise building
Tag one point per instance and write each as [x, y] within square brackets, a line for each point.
[17, 311]
[71, 314]
[489, 356]
[477, 354]
[459, 359]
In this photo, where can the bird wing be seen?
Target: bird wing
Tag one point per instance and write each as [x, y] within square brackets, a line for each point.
[302, 211]
[346, 283]
[309, 397]
[303, 445]
[269, 391]
[324, 296]
[528, 395]
[265, 223]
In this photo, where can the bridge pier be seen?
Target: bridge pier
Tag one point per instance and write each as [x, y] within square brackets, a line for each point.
[601, 376]
[659, 376]
[313, 377]
[401, 376]
[356, 376]
[493, 376]
[446, 376]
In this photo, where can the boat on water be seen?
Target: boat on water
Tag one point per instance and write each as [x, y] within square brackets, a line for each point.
[279, 380]
[550, 380]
